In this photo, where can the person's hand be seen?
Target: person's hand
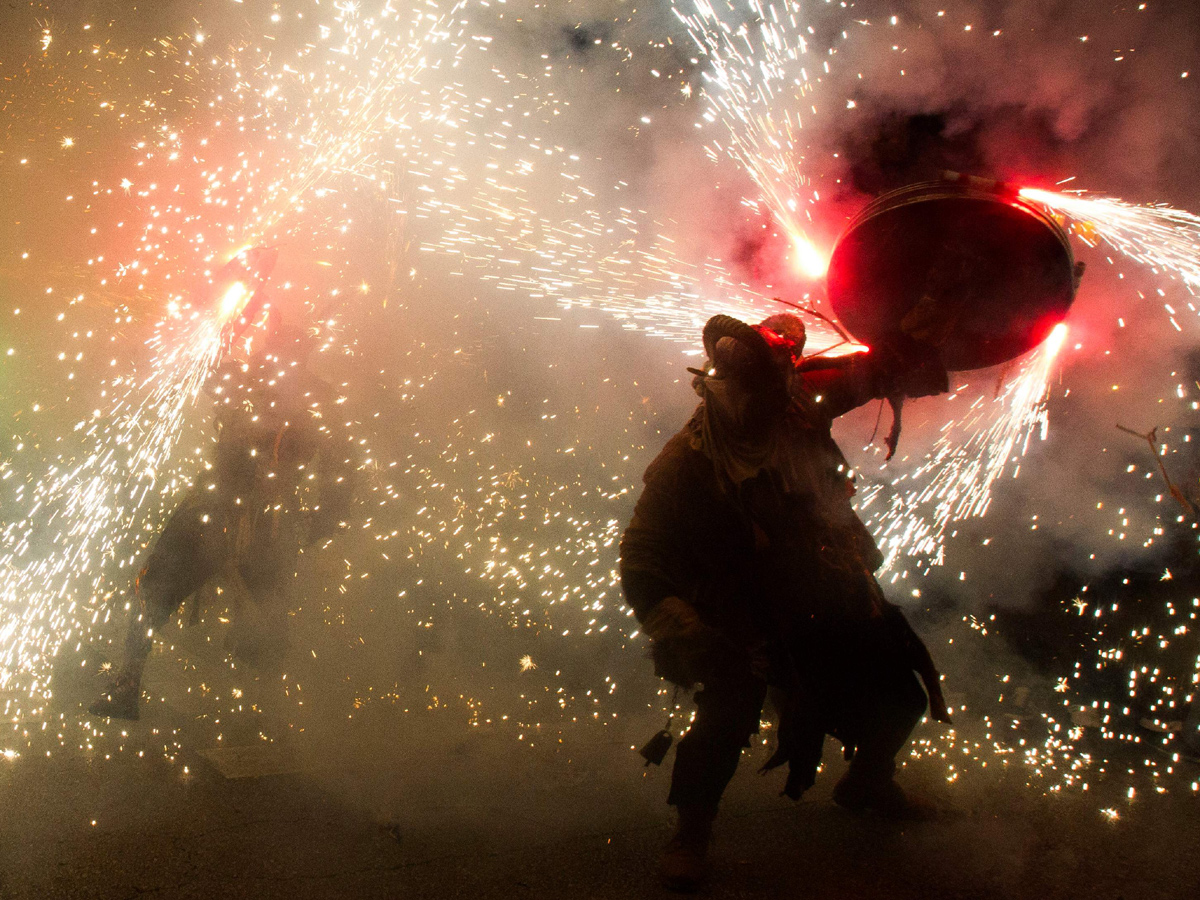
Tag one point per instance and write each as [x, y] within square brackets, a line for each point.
[672, 618]
[937, 703]
[687, 650]
[925, 379]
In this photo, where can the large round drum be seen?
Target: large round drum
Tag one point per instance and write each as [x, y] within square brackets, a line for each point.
[966, 269]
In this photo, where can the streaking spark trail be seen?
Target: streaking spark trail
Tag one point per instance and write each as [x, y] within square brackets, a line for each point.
[83, 514]
[87, 507]
[757, 87]
[1164, 239]
[955, 480]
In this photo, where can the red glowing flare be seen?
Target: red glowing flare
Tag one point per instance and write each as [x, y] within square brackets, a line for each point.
[1056, 339]
[233, 301]
[812, 263]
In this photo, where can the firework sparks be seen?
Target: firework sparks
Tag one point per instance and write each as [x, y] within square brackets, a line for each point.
[365, 122]
[757, 81]
[88, 505]
[1165, 239]
[82, 513]
[956, 480]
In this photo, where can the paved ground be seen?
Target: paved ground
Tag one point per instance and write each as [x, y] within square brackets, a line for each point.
[484, 816]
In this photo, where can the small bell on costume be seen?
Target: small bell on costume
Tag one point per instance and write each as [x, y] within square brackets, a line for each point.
[656, 748]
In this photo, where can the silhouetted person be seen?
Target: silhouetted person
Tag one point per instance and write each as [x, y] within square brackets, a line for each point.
[748, 568]
[277, 481]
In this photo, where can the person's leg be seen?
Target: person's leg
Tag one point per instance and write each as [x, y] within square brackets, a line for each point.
[881, 713]
[889, 717]
[184, 557]
[727, 714]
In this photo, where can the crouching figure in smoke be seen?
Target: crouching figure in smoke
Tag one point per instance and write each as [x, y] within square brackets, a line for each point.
[278, 481]
[748, 568]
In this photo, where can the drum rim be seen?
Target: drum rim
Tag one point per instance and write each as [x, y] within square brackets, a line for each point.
[929, 191]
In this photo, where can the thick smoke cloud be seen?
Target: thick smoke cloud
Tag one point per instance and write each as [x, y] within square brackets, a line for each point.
[1031, 91]
[511, 385]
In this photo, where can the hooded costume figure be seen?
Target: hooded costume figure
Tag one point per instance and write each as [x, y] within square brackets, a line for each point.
[748, 567]
[277, 481]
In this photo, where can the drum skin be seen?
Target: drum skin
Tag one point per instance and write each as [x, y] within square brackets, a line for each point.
[977, 275]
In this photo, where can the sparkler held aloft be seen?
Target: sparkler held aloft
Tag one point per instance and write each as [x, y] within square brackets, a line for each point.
[747, 567]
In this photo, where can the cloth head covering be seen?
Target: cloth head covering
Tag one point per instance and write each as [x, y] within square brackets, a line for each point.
[747, 421]
[788, 326]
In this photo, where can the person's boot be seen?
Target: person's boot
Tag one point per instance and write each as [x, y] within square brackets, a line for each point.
[859, 794]
[121, 701]
[684, 864]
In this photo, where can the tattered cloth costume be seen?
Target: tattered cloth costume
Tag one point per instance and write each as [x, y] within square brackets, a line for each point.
[278, 481]
[746, 516]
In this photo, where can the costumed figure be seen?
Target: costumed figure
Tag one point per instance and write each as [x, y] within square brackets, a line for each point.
[748, 568]
[277, 481]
